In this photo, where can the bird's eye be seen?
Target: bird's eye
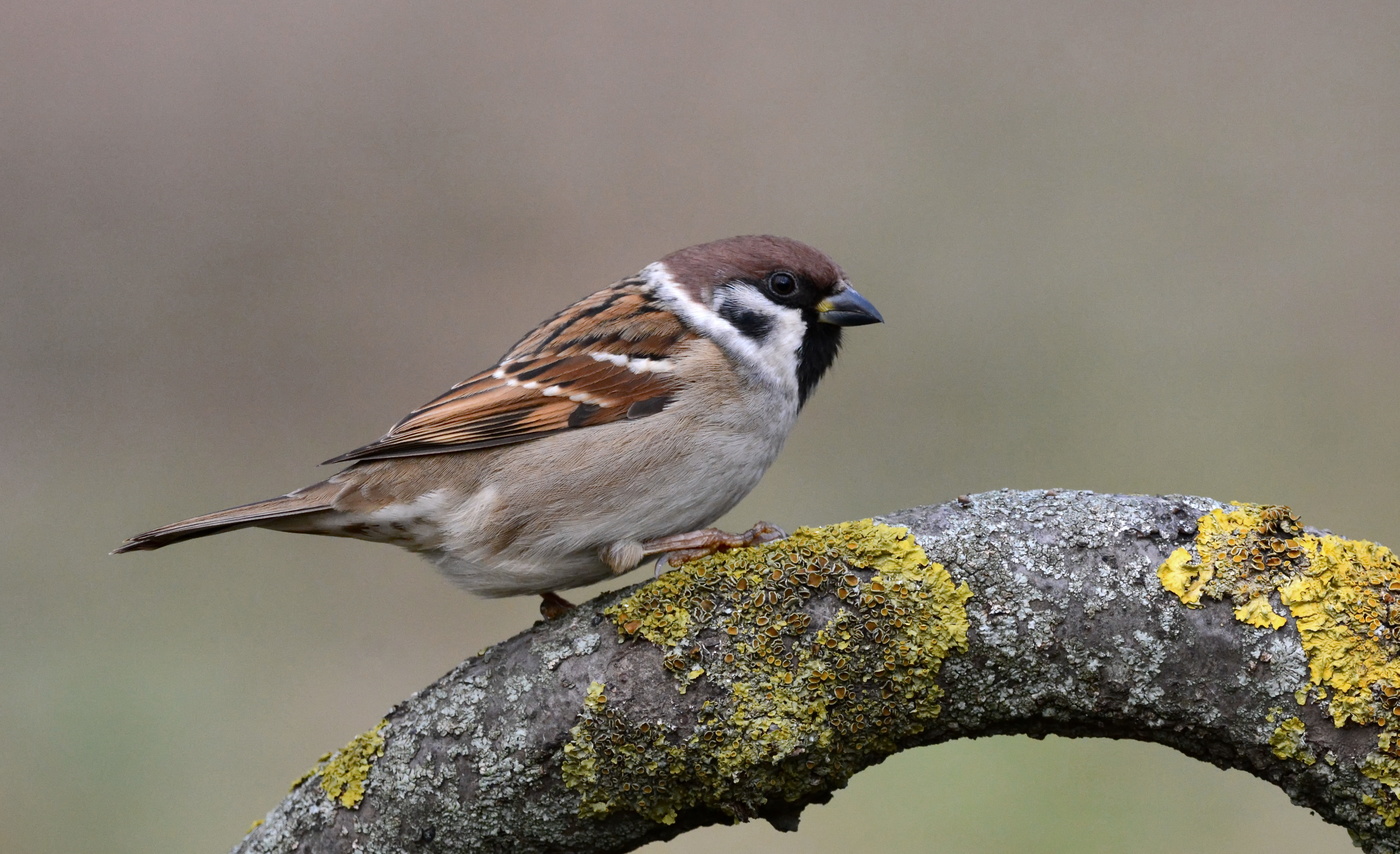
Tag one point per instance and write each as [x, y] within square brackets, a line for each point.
[782, 284]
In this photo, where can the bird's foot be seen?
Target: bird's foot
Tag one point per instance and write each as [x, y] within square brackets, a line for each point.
[554, 606]
[683, 548]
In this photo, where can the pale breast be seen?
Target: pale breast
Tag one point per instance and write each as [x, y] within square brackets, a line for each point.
[561, 498]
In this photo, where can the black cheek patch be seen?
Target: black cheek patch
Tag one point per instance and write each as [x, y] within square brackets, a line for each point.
[750, 324]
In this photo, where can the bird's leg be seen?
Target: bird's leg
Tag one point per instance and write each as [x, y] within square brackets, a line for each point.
[692, 545]
[553, 606]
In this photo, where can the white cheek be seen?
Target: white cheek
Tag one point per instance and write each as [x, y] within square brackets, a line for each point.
[772, 361]
[784, 344]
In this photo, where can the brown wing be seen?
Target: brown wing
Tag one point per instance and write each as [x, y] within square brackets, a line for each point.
[603, 359]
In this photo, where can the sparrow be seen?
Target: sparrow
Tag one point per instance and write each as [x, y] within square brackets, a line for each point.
[614, 432]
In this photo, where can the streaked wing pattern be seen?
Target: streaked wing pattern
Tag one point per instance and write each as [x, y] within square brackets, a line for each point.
[604, 359]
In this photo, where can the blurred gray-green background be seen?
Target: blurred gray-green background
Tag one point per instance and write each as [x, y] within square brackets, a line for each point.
[1124, 247]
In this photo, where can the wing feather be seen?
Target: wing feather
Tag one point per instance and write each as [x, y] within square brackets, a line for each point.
[604, 359]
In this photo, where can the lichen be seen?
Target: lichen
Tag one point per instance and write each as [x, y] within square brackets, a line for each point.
[344, 774]
[821, 653]
[1383, 766]
[1288, 741]
[1344, 598]
[1181, 574]
[1345, 606]
[1258, 612]
[1242, 554]
[312, 772]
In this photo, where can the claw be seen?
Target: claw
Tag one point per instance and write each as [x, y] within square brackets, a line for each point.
[681, 549]
[554, 606]
[763, 532]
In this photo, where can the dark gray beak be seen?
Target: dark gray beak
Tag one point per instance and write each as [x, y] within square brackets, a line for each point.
[847, 308]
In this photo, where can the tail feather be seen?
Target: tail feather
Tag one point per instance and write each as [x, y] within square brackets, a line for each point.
[258, 514]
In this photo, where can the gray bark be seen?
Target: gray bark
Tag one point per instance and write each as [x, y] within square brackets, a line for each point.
[1069, 631]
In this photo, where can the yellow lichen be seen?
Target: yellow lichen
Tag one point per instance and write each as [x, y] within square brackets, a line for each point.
[820, 651]
[580, 765]
[1258, 612]
[1344, 597]
[1180, 574]
[1288, 742]
[1343, 605]
[344, 775]
[1243, 553]
[1341, 594]
[1384, 768]
[315, 769]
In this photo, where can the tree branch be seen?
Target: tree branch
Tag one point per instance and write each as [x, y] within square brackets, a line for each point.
[755, 683]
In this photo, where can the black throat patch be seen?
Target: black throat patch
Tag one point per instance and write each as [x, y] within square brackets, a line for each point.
[819, 346]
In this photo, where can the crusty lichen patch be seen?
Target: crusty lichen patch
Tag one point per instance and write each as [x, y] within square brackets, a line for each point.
[1344, 598]
[1289, 741]
[1383, 766]
[822, 649]
[1243, 554]
[345, 772]
[1345, 605]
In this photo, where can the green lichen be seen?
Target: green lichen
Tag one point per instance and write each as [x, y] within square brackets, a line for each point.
[820, 652]
[1289, 742]
[1344, 598]
[344, 774]
[1384, 767]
